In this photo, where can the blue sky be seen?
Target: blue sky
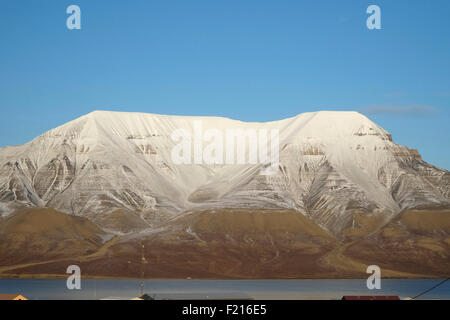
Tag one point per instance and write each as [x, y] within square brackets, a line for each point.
[255, 60]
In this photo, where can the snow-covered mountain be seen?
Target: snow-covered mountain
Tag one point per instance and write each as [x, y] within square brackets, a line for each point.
[116, 169]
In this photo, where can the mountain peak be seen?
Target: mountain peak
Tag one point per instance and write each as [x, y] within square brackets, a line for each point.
[331, 164]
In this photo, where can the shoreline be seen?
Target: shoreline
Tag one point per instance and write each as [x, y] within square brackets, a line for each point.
[61, 276]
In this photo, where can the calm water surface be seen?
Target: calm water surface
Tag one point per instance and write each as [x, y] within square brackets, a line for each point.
[258, 289]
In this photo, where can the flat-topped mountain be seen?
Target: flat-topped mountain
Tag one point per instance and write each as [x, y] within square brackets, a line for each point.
[339, 172]
[331, 165]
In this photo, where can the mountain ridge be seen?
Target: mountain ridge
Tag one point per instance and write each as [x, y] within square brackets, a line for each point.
[345, 196]
[332, 164]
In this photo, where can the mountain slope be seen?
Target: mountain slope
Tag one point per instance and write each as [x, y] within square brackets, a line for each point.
[29, 235]
[332, 165]
[263, 244]
[344, 196]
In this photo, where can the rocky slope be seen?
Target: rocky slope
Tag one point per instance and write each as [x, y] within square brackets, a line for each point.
[332, 164]
[342, 183]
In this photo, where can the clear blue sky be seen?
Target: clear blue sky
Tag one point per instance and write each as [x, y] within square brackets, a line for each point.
[245, 59]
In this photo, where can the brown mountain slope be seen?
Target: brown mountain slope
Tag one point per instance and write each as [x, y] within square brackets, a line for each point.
[41, 234]
[417, 241]
[213, 244]
[262, 244]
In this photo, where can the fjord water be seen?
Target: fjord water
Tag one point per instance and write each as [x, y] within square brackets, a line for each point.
[42, 289]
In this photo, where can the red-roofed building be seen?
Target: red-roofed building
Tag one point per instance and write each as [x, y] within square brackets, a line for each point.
[370, 298]
[12, 297]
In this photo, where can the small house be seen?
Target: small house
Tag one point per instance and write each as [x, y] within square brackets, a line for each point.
[12, 297]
